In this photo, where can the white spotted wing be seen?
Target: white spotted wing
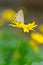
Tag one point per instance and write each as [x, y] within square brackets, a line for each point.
[19, 16]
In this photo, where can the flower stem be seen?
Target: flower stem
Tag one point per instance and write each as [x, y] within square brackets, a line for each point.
[19, 42]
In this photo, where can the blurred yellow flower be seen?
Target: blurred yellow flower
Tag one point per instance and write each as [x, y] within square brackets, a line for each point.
[37, 37]
[41, 28]
[25, 27]
[8, 14]
[34, 46]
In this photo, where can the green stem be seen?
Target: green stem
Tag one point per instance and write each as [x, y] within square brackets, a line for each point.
[19, 42]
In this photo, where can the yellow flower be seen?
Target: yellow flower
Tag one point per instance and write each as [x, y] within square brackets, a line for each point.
[37, 37]
[8, 14]
[34, 46]
[25, 27]
[31, 25]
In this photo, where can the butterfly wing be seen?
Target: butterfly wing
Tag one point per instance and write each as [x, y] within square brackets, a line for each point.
[19, 16]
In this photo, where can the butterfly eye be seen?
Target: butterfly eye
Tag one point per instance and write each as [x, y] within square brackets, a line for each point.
[19, 16]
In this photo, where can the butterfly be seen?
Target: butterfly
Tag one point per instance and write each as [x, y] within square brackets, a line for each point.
[19, 16]
[18, 21]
